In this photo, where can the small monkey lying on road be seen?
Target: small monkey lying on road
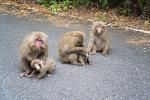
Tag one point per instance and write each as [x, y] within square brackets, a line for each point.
[41, 68]
[99, 39]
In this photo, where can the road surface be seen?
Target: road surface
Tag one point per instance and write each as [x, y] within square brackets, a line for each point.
[123, 75]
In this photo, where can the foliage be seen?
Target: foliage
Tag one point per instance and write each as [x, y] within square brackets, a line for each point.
[56, 5]
[141, 3]
[123, 11]
[123, 7]
[85, 2]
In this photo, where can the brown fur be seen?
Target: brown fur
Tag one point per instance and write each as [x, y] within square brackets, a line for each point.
[45, 67]
[28, 51]
[70, 48]
[99, 39]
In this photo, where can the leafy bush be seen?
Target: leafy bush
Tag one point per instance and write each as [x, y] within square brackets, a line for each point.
[124, 7]
[123, 11]
[85, 2]
[141, 3]
[56, 5]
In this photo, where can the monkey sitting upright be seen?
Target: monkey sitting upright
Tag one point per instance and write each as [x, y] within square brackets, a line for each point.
[99, 39]
[71, 49]
[33, 46]
[41, 68]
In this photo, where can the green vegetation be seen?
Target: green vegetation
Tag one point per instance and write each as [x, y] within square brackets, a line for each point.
[123, 7]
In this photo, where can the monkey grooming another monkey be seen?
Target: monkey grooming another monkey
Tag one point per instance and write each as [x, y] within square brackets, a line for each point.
[41, 68]
[34, 46]
[71, 49]
[99, 39]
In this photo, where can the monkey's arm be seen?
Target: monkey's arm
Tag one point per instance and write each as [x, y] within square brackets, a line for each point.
[73, 50]
[43, 56]
[42, 74]
[25, 66]
[46, 54]
[106, 46]
[33, 74]
[29, 58]
[90, 45]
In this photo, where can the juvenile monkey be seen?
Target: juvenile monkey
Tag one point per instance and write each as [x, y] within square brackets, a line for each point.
[71, 49]
[34, 46]
[99, 39]
[41, 67]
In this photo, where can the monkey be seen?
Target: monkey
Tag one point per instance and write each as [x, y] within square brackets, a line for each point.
[41, 67]
[71, 49]
[99, 39]
[33, 46]
[83, 57]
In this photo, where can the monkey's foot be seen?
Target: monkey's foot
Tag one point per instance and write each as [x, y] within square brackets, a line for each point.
[104, 54]
[82, 64]
[78, 64]
[30, 76]
[24, 74]
[93, 53]
[49, 75]
[89, 62]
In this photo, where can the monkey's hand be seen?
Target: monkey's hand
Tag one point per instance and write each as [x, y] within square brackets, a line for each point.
[86, 50]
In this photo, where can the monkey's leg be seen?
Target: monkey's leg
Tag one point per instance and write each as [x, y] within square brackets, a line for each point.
[33, 74]
[43, 56]
[26, 68]
[81, 60]
[41, 74]
[87, 60]
[105, 48]
[90, 45]
[73, 59]
[84, 57]
[93, 52]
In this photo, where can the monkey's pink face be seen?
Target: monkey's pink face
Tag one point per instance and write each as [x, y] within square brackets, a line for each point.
[99, 29]
[38, 43]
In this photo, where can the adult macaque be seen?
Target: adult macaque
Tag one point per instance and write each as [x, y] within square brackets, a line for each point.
[34, 46]
[99, 39]
[71, 49]
[41, 67]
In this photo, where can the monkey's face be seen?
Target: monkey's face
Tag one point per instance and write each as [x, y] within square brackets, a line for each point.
[38, 44]
[37, 66]
[39, 41]
[99, 29]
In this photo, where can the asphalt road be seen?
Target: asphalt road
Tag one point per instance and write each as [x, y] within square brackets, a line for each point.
[123, 75]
